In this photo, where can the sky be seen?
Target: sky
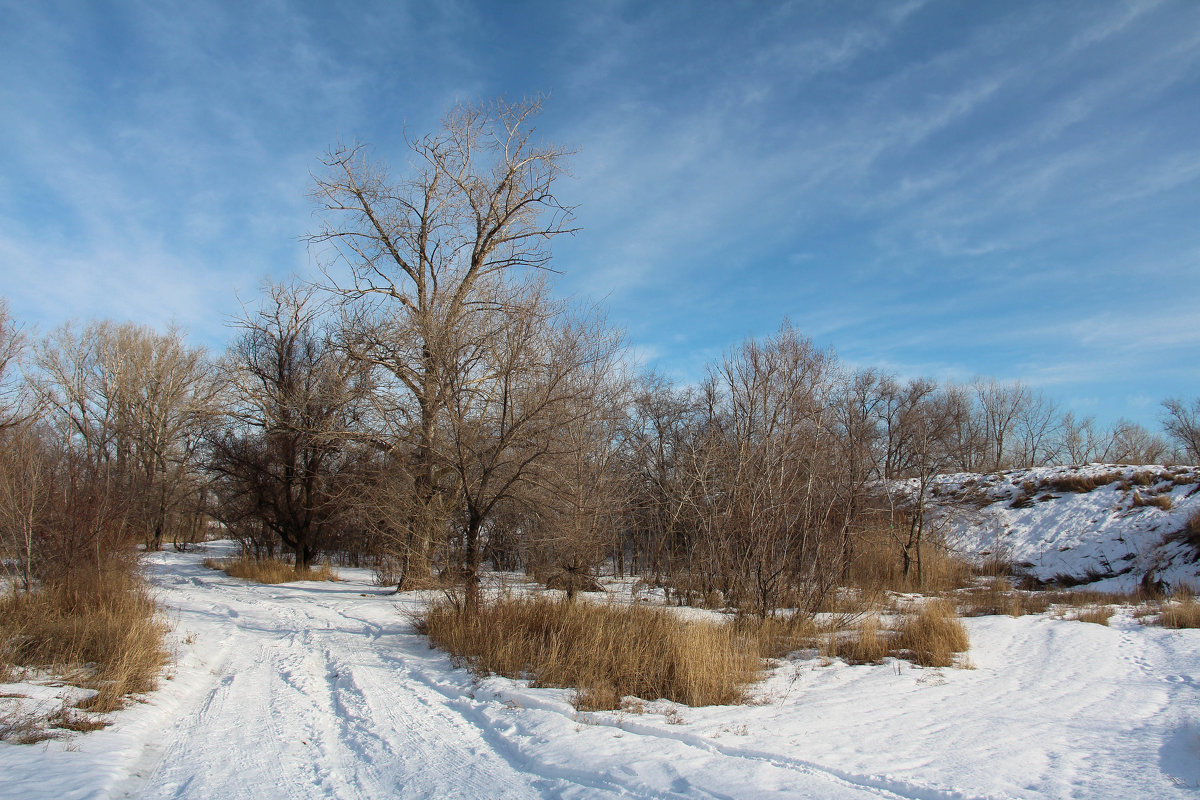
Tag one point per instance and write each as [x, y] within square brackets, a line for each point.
[942, 189]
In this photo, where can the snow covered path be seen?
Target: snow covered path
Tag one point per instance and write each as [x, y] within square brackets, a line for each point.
[323, 690]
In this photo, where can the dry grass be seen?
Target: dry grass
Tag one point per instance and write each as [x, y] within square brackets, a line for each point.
[102, 631]
[605, 651]
[270, 570]
[1099, 615]
[866, 643]
[932, 636]
[878, 567]
[999, 597]
[1160, 501]
[1181, 611]
[1080, 483]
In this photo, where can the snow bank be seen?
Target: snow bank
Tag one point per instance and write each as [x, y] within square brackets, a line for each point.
[1102, 524]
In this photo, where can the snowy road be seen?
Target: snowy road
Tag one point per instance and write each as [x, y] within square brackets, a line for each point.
[318, 690]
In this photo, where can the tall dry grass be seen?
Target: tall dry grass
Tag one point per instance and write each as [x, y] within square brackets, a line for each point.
[1180, 611]
[605, 651]
[933, 636]
[100, 631]
[270, 570]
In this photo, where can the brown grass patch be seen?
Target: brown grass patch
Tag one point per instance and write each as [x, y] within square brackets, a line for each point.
[605, 651]
[104, 631]
[1080, 484]
[1098, 615]
[932, 636]
[866, 643]
[1181, 611]
[270, 570]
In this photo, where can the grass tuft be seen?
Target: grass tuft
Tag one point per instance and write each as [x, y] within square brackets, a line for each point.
[932, 636]
[1099, 615]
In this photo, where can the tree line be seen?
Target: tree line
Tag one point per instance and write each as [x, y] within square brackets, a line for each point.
[429, 406]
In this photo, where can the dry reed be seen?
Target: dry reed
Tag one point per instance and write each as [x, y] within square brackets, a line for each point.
[605, 651]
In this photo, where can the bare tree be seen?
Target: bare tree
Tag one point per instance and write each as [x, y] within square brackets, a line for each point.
[130, 403]
[424, 254]
[294, 400]
[1130, 443]
[519, 386]
[1182, 423]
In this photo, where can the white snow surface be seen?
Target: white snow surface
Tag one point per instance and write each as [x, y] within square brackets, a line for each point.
[1102, 537]
[325, 690]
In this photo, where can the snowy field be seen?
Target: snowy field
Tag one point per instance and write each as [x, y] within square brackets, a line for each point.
[324, 690]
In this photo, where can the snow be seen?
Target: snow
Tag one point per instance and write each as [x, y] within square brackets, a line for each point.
[324, 690]
[1020, 517]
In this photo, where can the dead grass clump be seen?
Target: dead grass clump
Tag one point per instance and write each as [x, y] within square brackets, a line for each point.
[103, 630]
[605, 651]
[1190, 533]
[999, 597]
[932, 636]
[1143, 477]
[866, 643]
[1161, 501]
[270, 570]
[878, 567]
[1181, 611]
[1081, 484]
[777, 636]
[1099, 615]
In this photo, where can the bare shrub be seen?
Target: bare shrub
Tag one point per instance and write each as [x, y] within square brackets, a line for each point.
[104, 630]
[932, 636]
[270, 570]
[605, 651]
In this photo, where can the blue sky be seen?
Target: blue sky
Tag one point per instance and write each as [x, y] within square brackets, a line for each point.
[939, 188]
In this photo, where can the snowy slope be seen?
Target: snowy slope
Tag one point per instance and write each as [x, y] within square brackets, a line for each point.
[1049, 522]
[325, 691]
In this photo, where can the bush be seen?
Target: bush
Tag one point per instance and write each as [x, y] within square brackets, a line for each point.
[604, 651]
[270, 570]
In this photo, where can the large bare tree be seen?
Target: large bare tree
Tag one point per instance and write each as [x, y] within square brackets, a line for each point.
[415, 257]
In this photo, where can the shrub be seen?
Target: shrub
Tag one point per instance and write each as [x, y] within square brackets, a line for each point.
[270, 570]
[933, 635]
[605, 651]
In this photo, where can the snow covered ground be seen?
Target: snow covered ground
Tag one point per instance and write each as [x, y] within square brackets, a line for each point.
[324, 690]
[1109, 536]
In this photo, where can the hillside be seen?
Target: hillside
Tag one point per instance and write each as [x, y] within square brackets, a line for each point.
[1103, 525]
